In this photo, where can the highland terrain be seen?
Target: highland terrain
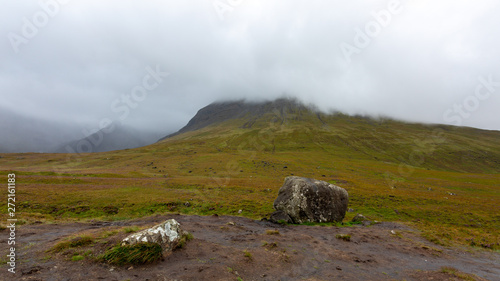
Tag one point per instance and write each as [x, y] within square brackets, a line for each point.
[432, 193]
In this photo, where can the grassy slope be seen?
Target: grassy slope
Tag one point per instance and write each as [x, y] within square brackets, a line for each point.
[387, 167]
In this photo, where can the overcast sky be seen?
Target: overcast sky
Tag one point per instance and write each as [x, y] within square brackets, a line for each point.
[153, 64]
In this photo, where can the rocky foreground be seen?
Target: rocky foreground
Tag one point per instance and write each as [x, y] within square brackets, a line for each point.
[229, 248]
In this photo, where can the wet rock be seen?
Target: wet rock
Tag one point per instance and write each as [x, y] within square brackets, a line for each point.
[310, 200]
[359, 218]
[280, 217]
[167, 234]
[366, 223]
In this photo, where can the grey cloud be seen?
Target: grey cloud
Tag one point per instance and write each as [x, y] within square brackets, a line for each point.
[90, 53]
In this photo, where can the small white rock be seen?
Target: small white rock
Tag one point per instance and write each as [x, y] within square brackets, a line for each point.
[166, 234]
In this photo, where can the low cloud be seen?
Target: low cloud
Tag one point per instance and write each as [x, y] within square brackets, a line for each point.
[417, 62]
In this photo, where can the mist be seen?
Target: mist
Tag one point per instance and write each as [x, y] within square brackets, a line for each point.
[151, 65]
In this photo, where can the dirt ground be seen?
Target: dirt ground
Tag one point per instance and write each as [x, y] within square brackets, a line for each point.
[383, 251]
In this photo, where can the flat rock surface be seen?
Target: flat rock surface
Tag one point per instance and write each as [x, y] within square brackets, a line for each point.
[217, 253]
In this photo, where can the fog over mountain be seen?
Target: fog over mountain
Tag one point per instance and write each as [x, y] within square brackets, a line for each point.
[28, 134]
[73, 66]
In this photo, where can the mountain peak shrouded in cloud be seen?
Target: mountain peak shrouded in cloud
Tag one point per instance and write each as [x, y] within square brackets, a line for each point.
[423, 61]
[287, 124]
[221, 111]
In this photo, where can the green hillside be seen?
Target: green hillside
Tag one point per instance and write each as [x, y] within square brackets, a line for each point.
[295, 128]
[233, 156]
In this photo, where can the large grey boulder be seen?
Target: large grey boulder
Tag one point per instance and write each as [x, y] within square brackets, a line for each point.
[310, 200]
[167, 234]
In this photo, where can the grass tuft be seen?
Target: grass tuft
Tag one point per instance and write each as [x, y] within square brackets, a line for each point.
[131, 229]
[345, 237]
[137, 254]
[77, 258]
[248, 255]
[73, 243]
[272, 232]
[269, 246]
[184, 239]
[454, 272]
[107, 234]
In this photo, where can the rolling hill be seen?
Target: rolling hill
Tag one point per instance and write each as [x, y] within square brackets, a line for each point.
[232, 156]
[287, 125]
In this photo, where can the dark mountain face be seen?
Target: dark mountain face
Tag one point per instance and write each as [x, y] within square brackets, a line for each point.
[219, 112]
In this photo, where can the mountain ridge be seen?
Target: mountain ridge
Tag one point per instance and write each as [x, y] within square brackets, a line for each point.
[289, 125]
[217, 112]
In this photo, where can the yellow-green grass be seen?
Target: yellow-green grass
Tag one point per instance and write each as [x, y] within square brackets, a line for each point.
[457, 274]
[470, 214]
[223, 169]
[137, 254]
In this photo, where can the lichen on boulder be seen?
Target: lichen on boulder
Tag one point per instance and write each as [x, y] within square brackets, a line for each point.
[309, 200]
[167, 234]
